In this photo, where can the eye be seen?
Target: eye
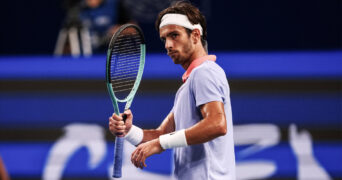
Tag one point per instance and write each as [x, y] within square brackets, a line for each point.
[174, 35]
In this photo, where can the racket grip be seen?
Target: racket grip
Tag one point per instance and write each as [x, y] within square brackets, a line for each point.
[118, 149]
[124, 117]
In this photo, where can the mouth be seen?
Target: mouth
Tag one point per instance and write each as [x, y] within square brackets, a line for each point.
[171, 53]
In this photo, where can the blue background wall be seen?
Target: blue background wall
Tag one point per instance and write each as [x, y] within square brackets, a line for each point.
[40, 95]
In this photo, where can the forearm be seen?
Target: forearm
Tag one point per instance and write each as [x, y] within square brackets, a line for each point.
[212, 125]
[150, 134]
[165, 127]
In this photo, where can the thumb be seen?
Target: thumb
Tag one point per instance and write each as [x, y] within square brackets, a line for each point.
[128, 112]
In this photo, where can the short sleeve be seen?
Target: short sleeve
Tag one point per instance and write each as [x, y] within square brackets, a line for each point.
[206, 86]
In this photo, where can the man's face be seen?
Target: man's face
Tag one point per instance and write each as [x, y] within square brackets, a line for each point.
[178, 43]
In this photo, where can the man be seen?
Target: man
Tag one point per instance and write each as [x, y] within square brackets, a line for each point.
[199, 126]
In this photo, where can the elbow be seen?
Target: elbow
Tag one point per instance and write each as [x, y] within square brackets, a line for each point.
[221, 128]
[215, 126]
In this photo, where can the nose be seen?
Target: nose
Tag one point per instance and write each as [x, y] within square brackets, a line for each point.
[168, 44]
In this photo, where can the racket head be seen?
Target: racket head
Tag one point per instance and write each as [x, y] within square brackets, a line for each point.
[125, 63]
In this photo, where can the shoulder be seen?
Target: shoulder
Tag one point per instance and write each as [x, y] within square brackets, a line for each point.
[208, 69]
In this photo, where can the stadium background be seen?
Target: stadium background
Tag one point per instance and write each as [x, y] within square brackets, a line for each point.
[282, 59]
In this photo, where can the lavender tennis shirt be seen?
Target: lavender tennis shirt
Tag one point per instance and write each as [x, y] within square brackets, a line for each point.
[213, 160]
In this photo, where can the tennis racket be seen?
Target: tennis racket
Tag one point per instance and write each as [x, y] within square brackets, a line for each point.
[124, 68]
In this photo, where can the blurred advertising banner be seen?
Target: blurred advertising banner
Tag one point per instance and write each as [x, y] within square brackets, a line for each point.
[286, 111]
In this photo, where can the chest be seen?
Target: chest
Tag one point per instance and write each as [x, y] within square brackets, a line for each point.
[185, 111]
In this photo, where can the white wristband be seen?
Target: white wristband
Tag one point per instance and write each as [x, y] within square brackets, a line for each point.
[135, 135]
[174, 139]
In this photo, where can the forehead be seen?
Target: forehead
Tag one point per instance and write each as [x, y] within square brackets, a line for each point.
[170, 28]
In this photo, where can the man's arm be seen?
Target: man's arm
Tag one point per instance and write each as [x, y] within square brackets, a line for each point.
[167, 126]
[150, 137]
[212, 125]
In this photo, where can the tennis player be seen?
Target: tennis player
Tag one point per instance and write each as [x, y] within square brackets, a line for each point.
[199, 127]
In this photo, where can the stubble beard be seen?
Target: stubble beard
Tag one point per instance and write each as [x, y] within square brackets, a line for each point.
[178, 58]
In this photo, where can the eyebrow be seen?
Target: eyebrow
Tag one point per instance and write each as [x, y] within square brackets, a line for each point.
[169, 34]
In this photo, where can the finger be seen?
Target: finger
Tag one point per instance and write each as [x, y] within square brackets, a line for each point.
[140, 161]
[119, 123]
[111, 125]
[120, 131]
[116, 125]
[116, 117]
[111, 121]
[143, 162]
[137, 159]
[116, 132]
[115, 122]
[119, 126]
[128, 112]
[133, 156]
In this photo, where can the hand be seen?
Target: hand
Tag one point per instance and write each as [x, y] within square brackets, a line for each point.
[117, 126]
[145, 150]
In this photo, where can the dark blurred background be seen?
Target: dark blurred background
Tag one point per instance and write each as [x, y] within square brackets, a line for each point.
[283, 60]
[246, 25]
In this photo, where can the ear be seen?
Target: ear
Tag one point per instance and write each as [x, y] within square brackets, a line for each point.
[196, 35]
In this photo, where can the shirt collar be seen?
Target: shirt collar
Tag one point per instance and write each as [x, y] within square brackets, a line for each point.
[196, 63]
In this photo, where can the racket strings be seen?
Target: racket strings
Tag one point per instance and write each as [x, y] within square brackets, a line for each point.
[126, 66]
[129, 60]
[125, 62]
[123, 76]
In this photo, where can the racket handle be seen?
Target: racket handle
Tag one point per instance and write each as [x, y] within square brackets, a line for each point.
[124, 117]
[118, 149]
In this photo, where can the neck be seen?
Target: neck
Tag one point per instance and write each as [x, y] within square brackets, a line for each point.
[200, 52]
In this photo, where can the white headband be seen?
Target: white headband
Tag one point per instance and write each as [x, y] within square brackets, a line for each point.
[180, 20]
